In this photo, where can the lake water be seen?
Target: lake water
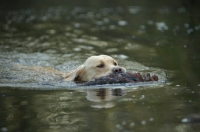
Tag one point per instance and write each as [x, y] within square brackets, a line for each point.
[159, 37]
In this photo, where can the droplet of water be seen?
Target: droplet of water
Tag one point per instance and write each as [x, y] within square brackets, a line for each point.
[123, 122]
[117, 126]
[106, 20]
[122, 23]
[185, 120]
[150, 22]
[196, 27]
[77, 49]
[4, 129]
[186, 25]
[112, 27]
[143, 122]
[132, 124]
[142, 27]
[151, 119]
[52, 31]
[77, 25]
[134, 9]
[123, 56]
[161, 26]
[177, 85]
[99, 22]
[189, 31]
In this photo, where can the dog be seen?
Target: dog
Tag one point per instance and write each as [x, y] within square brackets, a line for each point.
[94, 67]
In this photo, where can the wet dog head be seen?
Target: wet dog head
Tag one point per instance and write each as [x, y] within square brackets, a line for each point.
[95, 67]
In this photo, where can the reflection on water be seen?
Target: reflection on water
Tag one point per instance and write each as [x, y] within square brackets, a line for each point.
[103, 97]
[161, 37]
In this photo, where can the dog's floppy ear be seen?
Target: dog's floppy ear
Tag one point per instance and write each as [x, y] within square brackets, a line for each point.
[75, 75]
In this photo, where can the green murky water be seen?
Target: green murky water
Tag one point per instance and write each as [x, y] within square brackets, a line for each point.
[152, 36]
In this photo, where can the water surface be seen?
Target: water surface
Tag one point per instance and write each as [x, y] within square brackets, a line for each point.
[161, 38]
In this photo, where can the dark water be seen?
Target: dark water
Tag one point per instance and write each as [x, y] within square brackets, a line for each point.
[160, 37]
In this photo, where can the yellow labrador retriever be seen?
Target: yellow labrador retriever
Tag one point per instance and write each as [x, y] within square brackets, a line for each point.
[94, 67]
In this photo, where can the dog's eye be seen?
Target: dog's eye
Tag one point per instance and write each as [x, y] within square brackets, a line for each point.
[115, 63]
[101, 66]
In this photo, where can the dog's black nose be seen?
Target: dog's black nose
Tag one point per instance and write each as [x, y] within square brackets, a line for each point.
[117, 70]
